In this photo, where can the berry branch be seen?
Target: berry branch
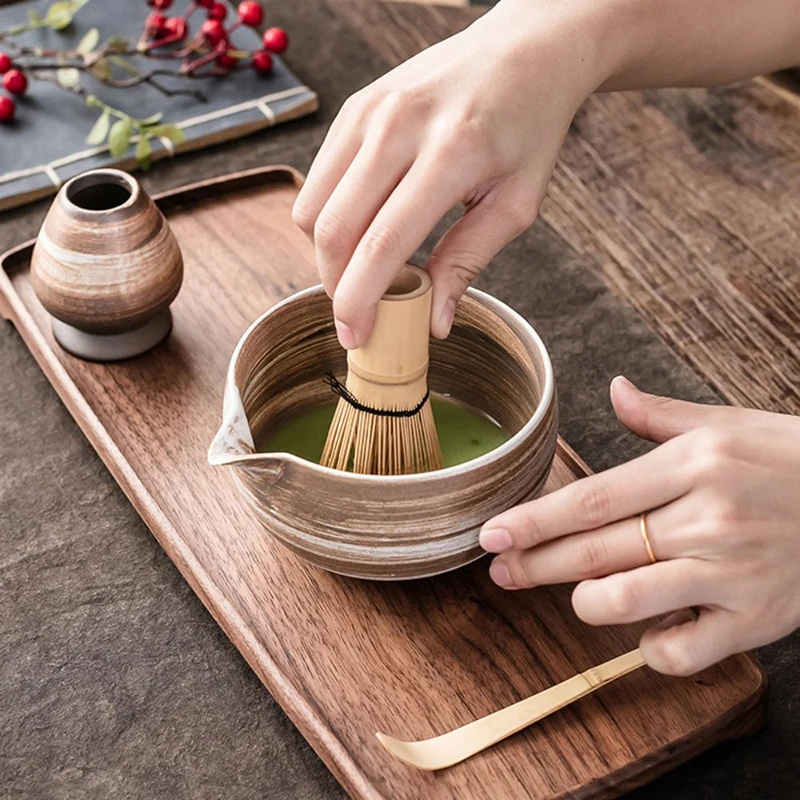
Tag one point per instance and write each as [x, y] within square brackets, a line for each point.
[38, 71]
[114, 64]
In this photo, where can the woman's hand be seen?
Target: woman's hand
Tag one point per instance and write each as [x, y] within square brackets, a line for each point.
[477, 119]
[722, 496]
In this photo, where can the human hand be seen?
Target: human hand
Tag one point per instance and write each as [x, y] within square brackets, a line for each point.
[725, 530]
[477, 119]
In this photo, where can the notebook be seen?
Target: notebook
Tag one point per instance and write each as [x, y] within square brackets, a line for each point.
[46, 144]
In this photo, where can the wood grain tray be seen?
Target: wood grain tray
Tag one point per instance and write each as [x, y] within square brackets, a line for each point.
[346, 658]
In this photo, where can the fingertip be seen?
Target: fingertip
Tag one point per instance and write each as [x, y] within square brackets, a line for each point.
[578, 600]
[354, 320]
[670, 651]
[347, 339]
[495, 540]
[620, 381]
[442, 320]
[445, 300]
[626, 399]
[500, 574]
[621, 385]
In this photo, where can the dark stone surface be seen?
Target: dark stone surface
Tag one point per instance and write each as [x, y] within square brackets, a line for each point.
[114, 680]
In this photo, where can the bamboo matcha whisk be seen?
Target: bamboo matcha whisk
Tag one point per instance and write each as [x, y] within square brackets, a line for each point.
[383, 424]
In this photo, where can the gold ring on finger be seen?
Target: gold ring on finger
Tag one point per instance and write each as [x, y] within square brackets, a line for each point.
[646, 538]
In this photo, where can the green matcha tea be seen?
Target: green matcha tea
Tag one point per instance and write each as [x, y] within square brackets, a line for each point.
[464, 432]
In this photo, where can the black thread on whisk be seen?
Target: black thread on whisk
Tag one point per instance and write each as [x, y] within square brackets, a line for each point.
[342, 391]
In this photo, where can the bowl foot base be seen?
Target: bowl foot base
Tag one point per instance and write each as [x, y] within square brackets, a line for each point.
[112, 346]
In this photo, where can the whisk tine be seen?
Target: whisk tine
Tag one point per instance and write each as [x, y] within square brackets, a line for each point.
[382, 445]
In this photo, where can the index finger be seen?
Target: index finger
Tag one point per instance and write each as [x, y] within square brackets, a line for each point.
[424, 195]
[339, 148]
[647, 482]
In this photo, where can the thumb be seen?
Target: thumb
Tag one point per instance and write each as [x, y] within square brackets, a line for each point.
[661, 418]
[684, 644]
[469, 245]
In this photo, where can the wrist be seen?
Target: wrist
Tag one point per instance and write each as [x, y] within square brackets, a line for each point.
[596, 40]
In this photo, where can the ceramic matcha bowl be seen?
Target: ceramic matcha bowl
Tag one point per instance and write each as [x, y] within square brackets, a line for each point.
[388, 527]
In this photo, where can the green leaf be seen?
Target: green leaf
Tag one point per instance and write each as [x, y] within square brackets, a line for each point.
[89, 41]
[59, 15]
[99, 132]
[94, 102]
[120, 137]
[116, 44]
[143, 149]
[68, 77]
[101, 69]
[35, 18]
[176, 135]
[153, 120]
[171, 132]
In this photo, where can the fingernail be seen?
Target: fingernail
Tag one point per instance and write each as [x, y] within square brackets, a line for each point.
[623, 381]
[347, 338]
[496, 540]
[499, 573]
[446, 316]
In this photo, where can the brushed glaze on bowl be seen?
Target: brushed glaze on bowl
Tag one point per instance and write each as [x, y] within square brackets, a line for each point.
[105, 260]
[387, 527]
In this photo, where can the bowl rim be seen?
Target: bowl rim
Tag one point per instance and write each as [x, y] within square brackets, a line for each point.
[504, 311]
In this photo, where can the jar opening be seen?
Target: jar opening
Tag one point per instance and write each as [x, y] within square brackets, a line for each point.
[99, 191]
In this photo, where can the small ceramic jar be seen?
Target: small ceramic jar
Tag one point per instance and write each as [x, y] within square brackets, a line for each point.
[106, 266]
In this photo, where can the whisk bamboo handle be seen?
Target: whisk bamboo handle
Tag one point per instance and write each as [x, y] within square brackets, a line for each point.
[397, 350]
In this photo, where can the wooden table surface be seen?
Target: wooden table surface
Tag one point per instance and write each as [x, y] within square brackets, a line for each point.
[667, 249]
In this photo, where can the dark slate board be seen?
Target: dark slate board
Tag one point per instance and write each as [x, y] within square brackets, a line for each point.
[51, 126]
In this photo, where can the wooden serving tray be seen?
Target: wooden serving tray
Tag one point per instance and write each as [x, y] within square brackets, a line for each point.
[346, 658]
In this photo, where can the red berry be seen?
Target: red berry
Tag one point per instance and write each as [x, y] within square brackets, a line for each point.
[154, 24]
[262, 62]
[250, 13]
[276, 40]
[15, 81]
[226, 61]
[213, 31]
[218, 11]
[161, 5]
[7, 108]
[205, 3]
[5, 63]
[175, 27]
